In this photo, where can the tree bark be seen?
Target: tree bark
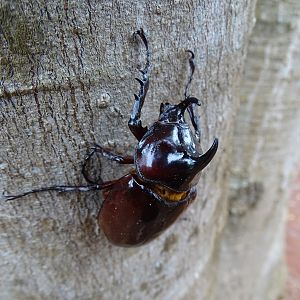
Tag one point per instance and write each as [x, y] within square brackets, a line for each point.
[67, 70]
[266, 136]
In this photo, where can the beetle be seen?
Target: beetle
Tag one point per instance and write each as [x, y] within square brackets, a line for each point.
[167, 163]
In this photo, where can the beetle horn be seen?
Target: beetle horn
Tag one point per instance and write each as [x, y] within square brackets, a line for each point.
[204, 159]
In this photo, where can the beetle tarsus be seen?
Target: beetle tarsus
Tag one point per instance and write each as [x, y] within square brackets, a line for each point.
[192, 67]
[195, 118]
[191, 109]
[144, 39]
[134, 123]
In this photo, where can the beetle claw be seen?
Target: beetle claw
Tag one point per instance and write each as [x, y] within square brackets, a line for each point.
[192, 53]
[9, 197]
[140, 81]
[139, 32]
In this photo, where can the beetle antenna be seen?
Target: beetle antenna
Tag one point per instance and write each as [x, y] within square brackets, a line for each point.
[192, 67]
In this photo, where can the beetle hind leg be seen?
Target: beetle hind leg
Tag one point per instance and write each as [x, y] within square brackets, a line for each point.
[62, 189]
[135, 123]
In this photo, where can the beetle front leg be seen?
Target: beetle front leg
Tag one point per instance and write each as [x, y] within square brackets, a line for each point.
[135, 123]
[191, 109]
[195, 120]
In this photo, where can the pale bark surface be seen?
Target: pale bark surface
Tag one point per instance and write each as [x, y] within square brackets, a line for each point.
[265, 157]
[67, 70]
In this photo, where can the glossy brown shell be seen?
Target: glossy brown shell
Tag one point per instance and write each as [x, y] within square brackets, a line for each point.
[167, 155]
[131, 215]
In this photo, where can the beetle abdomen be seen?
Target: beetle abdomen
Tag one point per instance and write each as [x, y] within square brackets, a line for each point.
[132, 216]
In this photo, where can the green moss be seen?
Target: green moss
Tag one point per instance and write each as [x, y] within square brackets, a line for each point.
[22, 35]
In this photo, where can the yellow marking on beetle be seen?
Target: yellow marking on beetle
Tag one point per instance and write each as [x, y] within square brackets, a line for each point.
[168, 194]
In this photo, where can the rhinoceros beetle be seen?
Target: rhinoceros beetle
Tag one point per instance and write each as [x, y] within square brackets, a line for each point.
[167, 163]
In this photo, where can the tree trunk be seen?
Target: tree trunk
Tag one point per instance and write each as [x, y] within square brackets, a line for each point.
[265, 157]
[67, 70]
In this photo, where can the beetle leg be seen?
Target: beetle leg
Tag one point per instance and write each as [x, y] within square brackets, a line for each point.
[124, 160]
[63, 189]
[192, 67]
[191, 109]
[135, 123]
[195, 120]
[84, 172]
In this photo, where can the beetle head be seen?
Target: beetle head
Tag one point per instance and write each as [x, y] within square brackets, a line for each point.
[170, 113]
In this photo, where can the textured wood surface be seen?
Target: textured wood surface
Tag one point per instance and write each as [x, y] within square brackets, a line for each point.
[293, 242]
[265, 159]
